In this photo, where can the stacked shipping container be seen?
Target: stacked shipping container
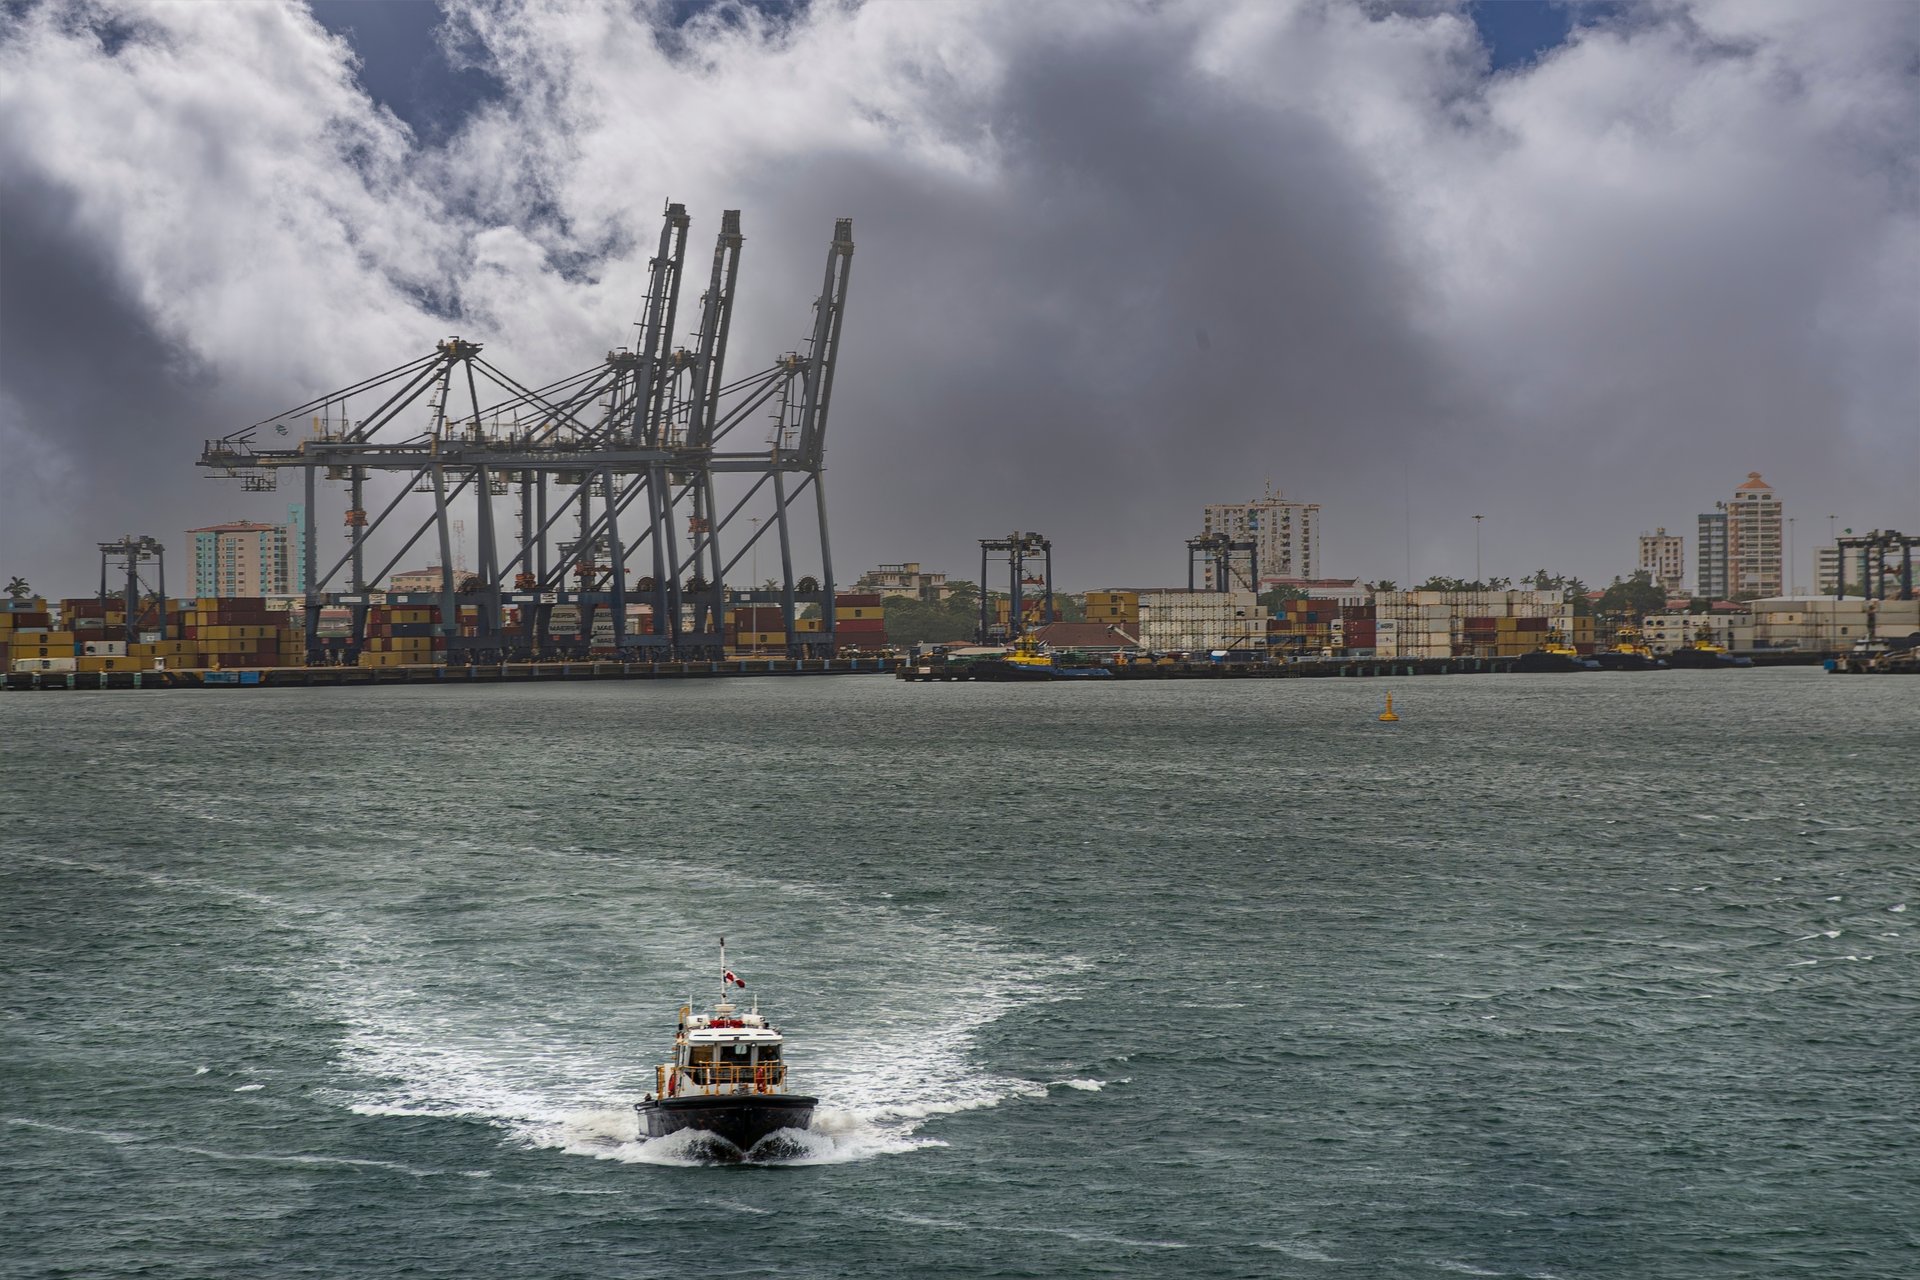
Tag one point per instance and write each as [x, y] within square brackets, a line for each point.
[225, 632]
[1201, 621]
[404, 636]
[1446, 624]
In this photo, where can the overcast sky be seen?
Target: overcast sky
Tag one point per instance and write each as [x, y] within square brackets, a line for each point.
[1576, 270]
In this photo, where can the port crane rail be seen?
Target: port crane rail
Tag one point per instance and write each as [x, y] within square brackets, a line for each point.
[627, 451]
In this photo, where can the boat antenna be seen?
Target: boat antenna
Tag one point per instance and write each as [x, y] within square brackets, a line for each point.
[723, 968]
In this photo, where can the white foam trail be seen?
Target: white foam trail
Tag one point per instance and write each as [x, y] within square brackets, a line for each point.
[1304, 1253]
[433, 1042]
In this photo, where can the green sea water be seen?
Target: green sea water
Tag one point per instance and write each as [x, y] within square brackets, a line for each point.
[1560, 976]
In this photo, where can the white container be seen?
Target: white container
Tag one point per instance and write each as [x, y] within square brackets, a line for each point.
[104, 648]
[43, 664]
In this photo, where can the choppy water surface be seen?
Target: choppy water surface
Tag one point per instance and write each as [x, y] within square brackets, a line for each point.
[1600, 976]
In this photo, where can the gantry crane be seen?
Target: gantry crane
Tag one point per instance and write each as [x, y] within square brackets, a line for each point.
[618, 473]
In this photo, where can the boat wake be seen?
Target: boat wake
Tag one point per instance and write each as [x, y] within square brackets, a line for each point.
[560, 1068]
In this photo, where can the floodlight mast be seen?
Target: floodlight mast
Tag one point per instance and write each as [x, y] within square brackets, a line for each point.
[630, 447]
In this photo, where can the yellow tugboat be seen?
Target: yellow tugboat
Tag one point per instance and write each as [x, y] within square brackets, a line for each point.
[1704, 654]
[1031, 660]
[1555, 654]
[1629, 652]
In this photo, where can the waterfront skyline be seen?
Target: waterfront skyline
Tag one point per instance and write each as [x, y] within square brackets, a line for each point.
[1114, 264]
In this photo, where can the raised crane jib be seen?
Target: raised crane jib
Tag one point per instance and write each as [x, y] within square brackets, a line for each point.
[828, 312]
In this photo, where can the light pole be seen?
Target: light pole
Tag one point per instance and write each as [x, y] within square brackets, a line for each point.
[754, 542]
[1476, 552]
[1793, 587]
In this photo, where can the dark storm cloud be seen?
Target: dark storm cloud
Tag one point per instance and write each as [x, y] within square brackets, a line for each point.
[1170, 300]
[97, 405]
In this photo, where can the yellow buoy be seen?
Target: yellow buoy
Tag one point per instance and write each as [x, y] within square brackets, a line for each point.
[1388, 713]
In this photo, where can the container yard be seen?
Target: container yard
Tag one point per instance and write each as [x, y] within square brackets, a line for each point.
[243, 642]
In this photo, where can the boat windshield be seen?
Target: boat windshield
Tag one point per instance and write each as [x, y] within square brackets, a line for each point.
[730, 1055]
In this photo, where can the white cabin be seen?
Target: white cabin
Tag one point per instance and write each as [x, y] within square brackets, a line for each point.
[722, 1053]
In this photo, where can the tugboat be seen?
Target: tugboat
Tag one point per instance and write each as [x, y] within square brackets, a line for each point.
[1704, 655]
[1554, 654]
[727, 1076]
[1030, 660]
[1630, 652]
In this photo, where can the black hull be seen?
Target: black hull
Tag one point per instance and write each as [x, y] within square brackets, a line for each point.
[1696, 660]
[989, 669]
[1628, 662]
[1539, 661]
[741, 1119]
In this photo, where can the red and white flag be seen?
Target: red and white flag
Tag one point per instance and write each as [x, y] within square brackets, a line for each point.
[734, 979]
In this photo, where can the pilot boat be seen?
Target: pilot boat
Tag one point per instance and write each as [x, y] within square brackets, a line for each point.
[728, 1076]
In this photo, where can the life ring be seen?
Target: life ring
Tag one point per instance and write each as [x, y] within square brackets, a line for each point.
[673, 1083]
[759, 1079]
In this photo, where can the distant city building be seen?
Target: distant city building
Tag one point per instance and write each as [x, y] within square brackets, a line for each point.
[297, 549]
[904, 580]
[1286, 536]
[1664, 555]
[1826, 571]
[242, 558]
[1754, 558]
[427, 579]
[1711, 554]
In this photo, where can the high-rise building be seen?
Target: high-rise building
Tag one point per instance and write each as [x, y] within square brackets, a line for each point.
[1754, 559]
[1285, 535]
[1711, 554]
[241, 558]
[1826, 571]
[297, 548]
[1664, 555]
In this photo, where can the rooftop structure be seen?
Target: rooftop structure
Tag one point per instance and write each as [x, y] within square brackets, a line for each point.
[425, 580]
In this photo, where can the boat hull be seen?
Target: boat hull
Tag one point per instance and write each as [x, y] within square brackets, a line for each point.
[989, 669]
[1613, 660]
[1704, 660]
[1540, 660]
[742, 1119]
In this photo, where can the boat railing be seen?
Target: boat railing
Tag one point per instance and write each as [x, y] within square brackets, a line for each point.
[717, 1078]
